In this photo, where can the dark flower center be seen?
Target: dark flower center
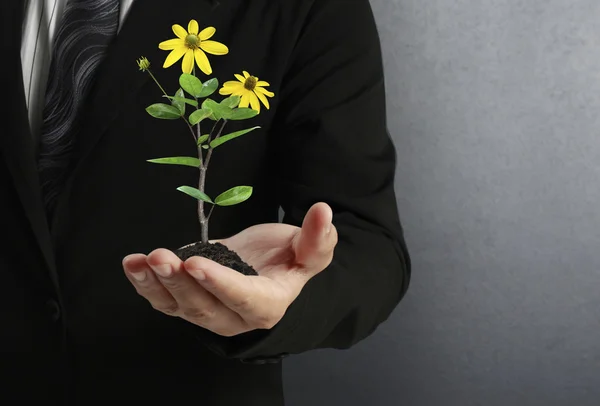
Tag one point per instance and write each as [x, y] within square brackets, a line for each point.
[192, 41]
[250, 83]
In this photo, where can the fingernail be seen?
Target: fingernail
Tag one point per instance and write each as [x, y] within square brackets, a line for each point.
[198, 274]
[163, 270]
[138, 276]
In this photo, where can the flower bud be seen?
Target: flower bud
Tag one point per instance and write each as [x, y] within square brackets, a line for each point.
[143, 63]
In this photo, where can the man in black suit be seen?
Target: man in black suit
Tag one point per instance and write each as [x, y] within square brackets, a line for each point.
[73, 329]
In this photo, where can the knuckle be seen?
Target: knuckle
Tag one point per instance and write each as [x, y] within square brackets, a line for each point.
[172, 284]
[334, 234]
[244, 304]
[331, 247]
[167, 308]
[267, 322]
[199, 314]
[333, 240]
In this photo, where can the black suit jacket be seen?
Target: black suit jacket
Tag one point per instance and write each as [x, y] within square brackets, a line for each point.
[73, 329]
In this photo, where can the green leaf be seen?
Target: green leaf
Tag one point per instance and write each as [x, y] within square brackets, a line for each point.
[182, 100]
[179, 103]
[178, 160]
[210, 104]
[229, 137]
[195, 193]
[243, 113]
[190, 84]
[164, 111]
[208, 88]
[219, 111]
[231, 101]
[199, 115]
[205, 146]
[234, 196]
[203, 139]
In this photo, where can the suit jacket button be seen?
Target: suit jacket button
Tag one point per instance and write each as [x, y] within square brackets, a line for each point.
[53, 310]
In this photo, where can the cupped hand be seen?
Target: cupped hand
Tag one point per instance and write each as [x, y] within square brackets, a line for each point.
[225, 301]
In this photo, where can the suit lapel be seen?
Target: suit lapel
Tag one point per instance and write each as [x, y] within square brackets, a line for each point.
[118, 80]
[17, 143]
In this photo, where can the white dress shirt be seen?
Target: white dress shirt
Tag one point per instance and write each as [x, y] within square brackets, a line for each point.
[42, 18]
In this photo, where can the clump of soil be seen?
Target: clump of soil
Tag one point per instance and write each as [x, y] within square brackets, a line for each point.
[218, 253]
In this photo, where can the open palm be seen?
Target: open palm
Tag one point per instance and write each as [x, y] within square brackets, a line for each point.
[282, 251]
[268, 248]
[223, 300]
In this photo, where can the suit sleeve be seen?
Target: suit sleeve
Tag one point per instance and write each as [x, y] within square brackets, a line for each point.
[330, 143]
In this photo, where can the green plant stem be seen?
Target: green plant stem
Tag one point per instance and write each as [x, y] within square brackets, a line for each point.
[212, 131]
[201, 217]
[156, 81]
[210, 150]
[202, 183]
[210, 212]
[198, 131]
[192, 131]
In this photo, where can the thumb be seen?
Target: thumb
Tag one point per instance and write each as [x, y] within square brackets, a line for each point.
[314, 244]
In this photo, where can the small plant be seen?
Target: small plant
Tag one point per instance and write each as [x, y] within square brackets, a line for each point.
[192, 104]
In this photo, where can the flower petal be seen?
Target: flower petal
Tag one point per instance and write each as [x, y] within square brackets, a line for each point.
[188, 61]
[240, 78]
[193, 27]
[236, 91]
[171, 44]
[232, 83]
[264, 91]
[254, 103]
[262, 83]
[226, 91]
[202, 61]
[263, 99]
[179, 31]
[174, 56]
[246, 74]
[214, 47]
[207, 33]
[245, 101]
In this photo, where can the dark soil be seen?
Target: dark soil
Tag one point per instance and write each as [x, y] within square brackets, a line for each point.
[218, 253]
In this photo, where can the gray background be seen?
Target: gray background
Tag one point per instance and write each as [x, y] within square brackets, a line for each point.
[494, 106]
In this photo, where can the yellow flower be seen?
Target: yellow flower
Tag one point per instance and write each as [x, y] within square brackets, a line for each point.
[250, 89]
[192, 45]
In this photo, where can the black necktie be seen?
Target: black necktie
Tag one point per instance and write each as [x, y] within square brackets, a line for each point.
[86, 29]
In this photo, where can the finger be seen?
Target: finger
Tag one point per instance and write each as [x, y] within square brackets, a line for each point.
[259, 301]
[167, 268]
[195, 304]
[317, 238]
[135, 266]
[147, 285]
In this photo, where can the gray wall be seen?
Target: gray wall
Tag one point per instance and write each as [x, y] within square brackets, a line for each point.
[494, 106]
